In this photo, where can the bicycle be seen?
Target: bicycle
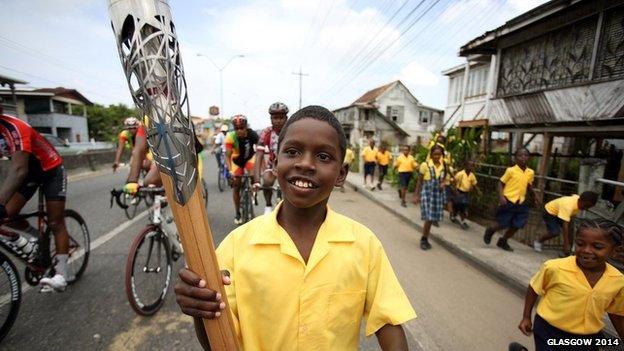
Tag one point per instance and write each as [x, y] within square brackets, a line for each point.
[223, 176]
[247, 198]
[148, 266]
[43, 264]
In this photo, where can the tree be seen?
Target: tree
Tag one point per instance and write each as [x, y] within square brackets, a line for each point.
[105, 122]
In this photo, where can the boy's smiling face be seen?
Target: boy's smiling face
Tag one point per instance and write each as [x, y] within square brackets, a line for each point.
[309, 163]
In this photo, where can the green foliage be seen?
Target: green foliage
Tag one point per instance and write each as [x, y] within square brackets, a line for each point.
[463, 147]
[105, 122]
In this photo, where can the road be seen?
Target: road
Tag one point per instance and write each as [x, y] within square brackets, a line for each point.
[458, 307]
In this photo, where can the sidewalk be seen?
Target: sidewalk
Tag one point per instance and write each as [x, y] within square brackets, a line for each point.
[514, 269]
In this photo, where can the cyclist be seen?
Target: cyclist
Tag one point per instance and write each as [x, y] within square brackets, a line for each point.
[34, 162]
[268, 145]
[239, 153]
[126, 138]
[218, 147]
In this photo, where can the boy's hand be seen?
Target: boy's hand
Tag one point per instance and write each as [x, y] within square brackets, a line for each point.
[526, 327]
[195, 299]
[502, 200]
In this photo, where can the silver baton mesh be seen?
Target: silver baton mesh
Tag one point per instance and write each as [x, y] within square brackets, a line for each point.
[150, 56]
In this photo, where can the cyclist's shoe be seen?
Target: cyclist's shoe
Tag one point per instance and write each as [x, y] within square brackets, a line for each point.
[56, 283]
[268, 209]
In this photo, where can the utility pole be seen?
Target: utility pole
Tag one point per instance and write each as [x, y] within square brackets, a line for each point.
[300, 74]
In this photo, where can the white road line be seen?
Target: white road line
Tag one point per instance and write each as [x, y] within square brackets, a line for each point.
[94, 245]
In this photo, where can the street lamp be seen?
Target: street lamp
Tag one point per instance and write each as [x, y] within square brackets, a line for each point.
[221, 76]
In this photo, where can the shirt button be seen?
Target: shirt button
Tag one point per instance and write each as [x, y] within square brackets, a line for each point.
[304, 329]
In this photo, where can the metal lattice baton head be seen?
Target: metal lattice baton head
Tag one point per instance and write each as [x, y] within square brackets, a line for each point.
[150, 56]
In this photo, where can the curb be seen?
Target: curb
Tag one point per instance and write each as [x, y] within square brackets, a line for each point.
[517, 286]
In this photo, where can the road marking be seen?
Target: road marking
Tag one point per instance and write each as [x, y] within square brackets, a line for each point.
[94, 245]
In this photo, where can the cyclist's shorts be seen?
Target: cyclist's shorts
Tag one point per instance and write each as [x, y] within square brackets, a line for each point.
[53, 184]
[237, 171]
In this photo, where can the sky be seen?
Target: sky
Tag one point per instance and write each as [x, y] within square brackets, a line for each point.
[344, 48]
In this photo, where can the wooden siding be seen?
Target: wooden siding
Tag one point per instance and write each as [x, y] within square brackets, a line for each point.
[593, 102]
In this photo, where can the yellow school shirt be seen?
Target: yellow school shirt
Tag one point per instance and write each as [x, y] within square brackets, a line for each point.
[424, 170]
[383, 158]
[516, 181]
[569, 303]
[349, 156]
[564, 207]
[369, 154]
[281, 303]
[405, 163]
[465, 182]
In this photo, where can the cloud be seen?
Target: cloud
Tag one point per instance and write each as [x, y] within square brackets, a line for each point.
[418, 75]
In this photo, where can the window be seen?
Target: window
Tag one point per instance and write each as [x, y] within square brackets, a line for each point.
[395, 113]
[425, 117]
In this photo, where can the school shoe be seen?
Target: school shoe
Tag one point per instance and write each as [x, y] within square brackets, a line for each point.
[454, 219]
[379, 186]
[537, 246]
[372, 188]
[238, 220]
[502, 243]
[403, 203]
[56, 283]
[436, 223]
[514, 346]
[424, 244]
[487, 237]
[268, 209]
[464, 225]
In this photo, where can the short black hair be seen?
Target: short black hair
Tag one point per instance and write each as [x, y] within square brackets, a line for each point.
[318, 113]
[589, 197]
[436, 146]
[520, 149]
[611, 229]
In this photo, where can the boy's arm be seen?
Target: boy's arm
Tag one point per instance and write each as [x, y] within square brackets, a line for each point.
[618, 323]
[501, 198]
[391, 337]
[526, 326]
[536, 200]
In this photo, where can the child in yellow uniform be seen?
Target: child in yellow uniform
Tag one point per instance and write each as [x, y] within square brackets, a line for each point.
[348, 160]
[558, 214]
[304, 276]
[576, 292]
[383, 159]
[431, 192]
[369, 156]
[512, 212]
[465, 181]
[405, 165]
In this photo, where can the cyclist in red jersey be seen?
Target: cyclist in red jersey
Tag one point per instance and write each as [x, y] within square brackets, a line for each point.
[267, 145]
[35, 162]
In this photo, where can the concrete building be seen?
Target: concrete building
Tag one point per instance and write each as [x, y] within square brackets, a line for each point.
[9, 102]
[58, 111]
[389, 113]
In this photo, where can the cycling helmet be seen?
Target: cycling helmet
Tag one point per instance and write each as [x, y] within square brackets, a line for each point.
[278, 107]
[224, 128]
[239, 121]
[131, 122]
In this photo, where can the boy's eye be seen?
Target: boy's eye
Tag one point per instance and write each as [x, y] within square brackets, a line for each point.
[598, 246]
[291, 152]
[324, 157]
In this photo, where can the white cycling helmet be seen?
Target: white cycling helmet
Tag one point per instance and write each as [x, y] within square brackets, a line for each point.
[278, 107]
[131, 122]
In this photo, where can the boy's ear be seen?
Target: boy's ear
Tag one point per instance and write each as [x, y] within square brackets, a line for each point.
[344, 170]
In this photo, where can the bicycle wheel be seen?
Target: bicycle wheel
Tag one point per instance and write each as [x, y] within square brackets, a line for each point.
[221, 180]
[148, 271]
[205, 192]
[131, 204]
[79, 245]
[10, 294]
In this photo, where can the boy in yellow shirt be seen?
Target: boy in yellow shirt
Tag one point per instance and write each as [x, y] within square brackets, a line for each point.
[465, 180]
[304, 276]
[512, 212]
[576, 292]
[369, 157]
[405, 165]
[558, 214]
[348, 160]
[383, 159]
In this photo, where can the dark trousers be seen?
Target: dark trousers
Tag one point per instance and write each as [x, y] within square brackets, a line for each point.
[549, 338]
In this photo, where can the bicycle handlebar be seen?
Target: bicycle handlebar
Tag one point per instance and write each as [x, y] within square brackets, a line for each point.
[116, 194]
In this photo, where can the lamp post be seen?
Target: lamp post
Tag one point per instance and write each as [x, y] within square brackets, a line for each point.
[221, 76]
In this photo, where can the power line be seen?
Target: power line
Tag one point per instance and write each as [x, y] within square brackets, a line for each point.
[300, 74]
[374, 58]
